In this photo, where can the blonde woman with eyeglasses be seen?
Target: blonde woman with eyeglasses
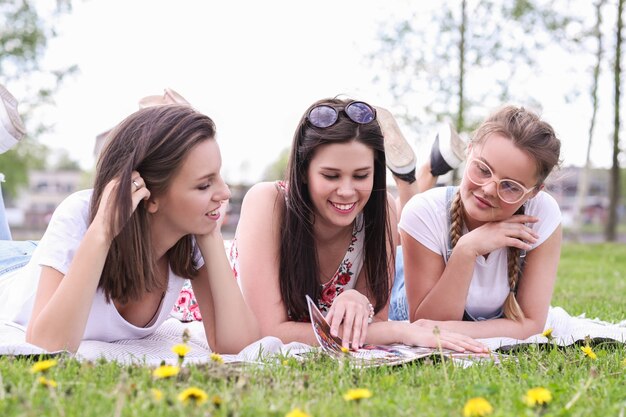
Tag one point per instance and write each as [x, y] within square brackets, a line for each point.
[481, 259]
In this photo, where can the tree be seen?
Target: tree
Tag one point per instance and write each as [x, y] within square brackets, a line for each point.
[443, 62]
[23, 40]
[583, 182]
[614, 190]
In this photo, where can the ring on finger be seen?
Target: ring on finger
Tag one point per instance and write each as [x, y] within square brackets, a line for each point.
[370, 317]
[137, 186]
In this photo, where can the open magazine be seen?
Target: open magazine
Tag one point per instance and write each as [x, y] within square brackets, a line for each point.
[378, 355]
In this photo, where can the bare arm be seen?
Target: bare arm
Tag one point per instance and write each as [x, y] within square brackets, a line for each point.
[62, 303]
[258, 235]
[533, 295]
[438, 291]
[229, 323]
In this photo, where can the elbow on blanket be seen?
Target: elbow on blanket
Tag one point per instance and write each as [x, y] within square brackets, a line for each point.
[50, 343]
[530, 328]
[234, 345]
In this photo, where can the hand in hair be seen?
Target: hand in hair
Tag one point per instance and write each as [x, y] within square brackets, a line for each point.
[351, 311]
[107, 214]
[512, 232]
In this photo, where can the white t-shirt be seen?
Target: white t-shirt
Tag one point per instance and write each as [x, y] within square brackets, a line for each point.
[56, 249]
[425, 218]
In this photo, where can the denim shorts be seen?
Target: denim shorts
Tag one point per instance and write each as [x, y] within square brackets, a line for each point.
[15, 254]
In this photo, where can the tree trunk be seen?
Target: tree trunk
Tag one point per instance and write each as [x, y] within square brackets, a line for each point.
[614, 192]
[460, 116]
[583, 180]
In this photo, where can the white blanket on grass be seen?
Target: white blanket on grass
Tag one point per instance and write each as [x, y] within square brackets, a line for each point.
[156, 348]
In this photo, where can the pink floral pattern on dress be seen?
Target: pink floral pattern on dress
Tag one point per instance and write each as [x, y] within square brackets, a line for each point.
[186, 308]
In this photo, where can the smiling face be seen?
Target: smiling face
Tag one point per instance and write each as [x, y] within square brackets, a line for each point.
[192, 201]
[506, 161]
[340, 178]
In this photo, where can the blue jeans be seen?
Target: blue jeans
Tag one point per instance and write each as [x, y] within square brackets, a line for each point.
[15, 254]
[398, 305]
[5, 232]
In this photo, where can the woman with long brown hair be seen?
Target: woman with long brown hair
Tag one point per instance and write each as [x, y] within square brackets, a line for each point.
[113, 259]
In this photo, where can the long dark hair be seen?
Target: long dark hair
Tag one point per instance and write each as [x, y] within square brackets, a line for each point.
[299, 268]
[153, 141]
[533, 136]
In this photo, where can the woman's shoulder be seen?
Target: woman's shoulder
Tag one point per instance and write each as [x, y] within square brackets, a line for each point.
[431, 198]
[261, 200]
[262, 191]
[543, 202]
[73, 205]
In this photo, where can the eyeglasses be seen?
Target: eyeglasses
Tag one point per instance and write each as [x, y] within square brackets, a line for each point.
[324, 115]
[509, 191]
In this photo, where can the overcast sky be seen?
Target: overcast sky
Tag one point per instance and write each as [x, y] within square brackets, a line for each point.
[253, 66]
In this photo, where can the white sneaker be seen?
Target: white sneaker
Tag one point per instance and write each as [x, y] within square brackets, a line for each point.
[11, 125]
[169, 97]
[399, 155]
[448, 150]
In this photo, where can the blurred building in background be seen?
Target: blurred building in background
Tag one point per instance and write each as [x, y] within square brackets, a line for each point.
[30, 213]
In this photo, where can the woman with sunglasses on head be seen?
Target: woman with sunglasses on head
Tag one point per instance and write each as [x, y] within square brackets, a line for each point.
[481, 259]
[328, 231]
[113, 259]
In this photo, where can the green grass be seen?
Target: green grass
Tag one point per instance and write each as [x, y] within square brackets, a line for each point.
[591, 280]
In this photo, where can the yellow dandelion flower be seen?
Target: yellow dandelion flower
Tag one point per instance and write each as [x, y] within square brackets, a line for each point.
[47, 382]
[216, 400]
[357, 394]
[548, 333]
[193, 394]
[345, 349]
[296, 412]
[157, 394]
[477, 407]
[589, 352]
[216, 357]
[181, 350]
[165, 371]
[537, 396]
[43, 366]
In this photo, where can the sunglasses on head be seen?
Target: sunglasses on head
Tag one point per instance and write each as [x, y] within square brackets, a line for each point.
[325, 115]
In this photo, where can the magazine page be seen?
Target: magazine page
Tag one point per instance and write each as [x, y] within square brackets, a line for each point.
[367, 355]
[377, 355]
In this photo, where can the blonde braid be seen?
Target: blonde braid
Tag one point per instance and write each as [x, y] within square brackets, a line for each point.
[456, 219]
[512, 310]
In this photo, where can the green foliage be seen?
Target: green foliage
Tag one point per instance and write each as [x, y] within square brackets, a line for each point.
[591, 279]
[277, 170]
[23, 39]
[16, 162]
[24, 36]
